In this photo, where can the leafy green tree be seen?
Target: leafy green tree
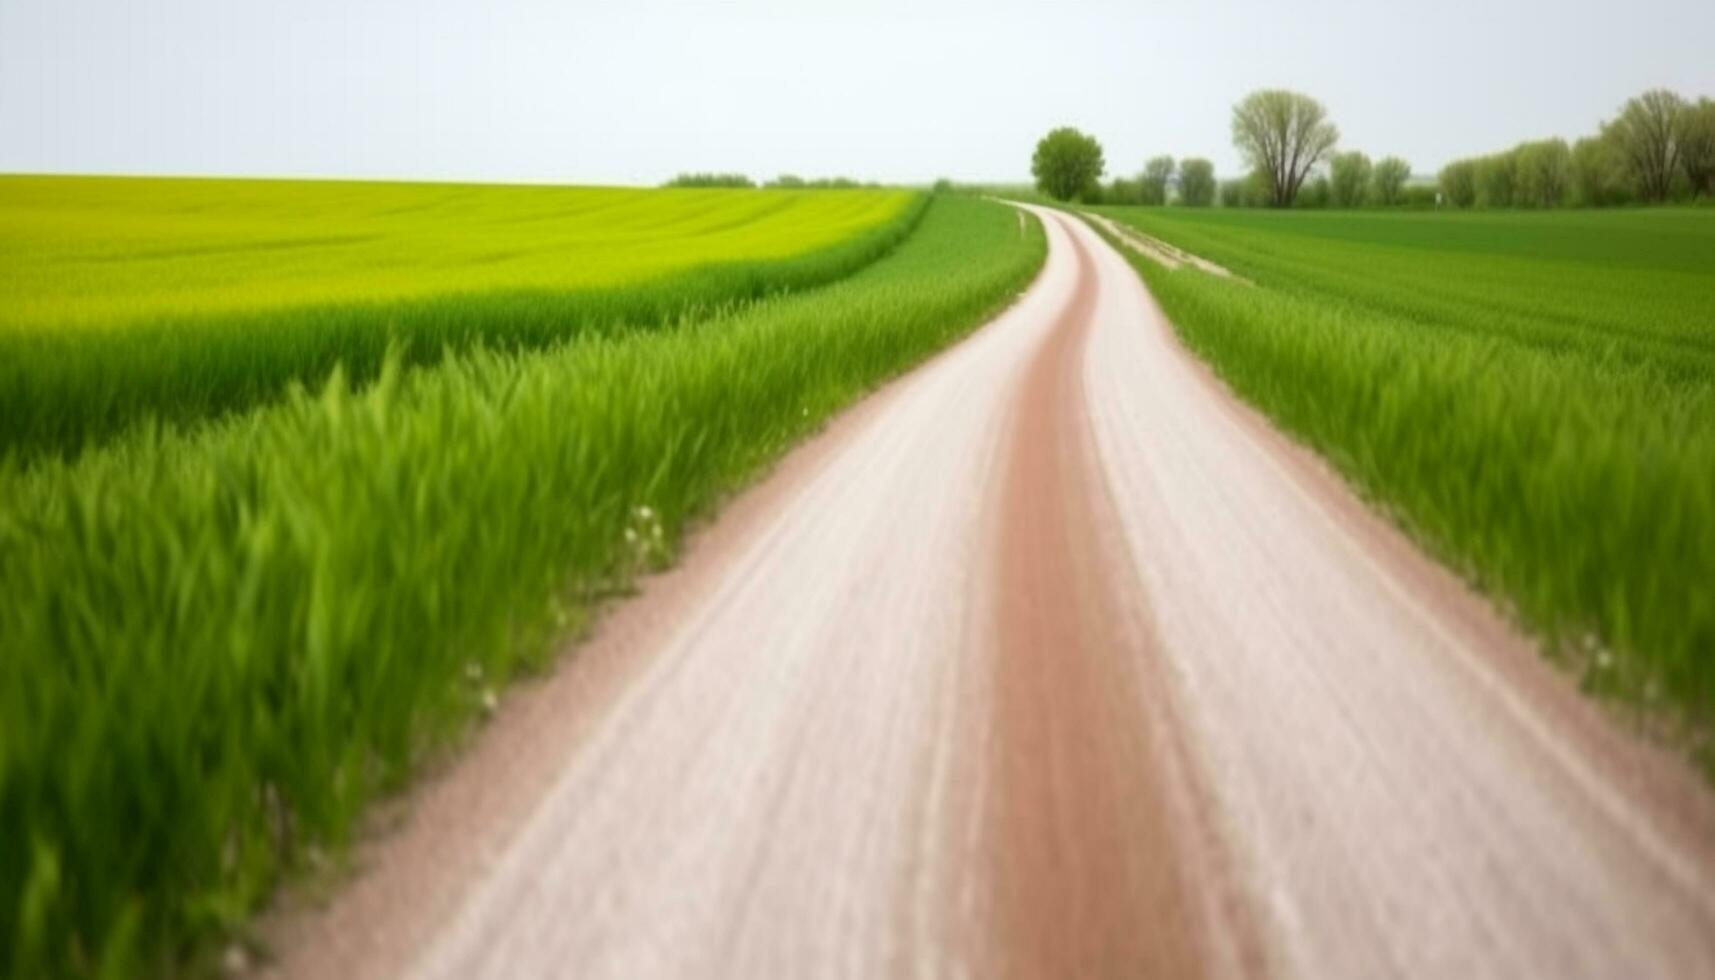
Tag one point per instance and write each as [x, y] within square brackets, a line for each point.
[1156, 173]
[1459, 183]
[1196, 182]
[1496, 180]
[1645, 137]
[1697, 147]
[1544, 173]
[1283, 136]
[1348, 179]
[1067, 164]
[1594, 173]
[1387, 181]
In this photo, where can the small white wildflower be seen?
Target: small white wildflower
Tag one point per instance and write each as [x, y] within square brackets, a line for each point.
[644, 512]
[490, 701]
[473, 671]
[631, 535]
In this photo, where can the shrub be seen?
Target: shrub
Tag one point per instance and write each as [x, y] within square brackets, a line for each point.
[1124, 191]
[1420, 196]
[1318, 193]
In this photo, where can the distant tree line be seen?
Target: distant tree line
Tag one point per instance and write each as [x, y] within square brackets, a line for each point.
[1661, 147]
[1289, 143]
[795, 182]
[782, 182]
[710, 180]
[1285, 139]
[1190, 182]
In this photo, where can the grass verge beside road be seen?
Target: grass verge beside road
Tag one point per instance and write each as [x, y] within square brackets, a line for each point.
[1531, 395]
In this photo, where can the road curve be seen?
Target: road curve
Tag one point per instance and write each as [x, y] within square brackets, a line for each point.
[1050, 659]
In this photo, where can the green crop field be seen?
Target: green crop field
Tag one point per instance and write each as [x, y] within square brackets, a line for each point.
[1531, 395]
[129, 299]
[222, 640]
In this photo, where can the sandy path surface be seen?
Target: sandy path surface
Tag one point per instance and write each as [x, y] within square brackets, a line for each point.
[1050, 659]
[1156, 250]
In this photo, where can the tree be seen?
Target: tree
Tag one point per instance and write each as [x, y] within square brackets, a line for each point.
[1387, 180]
[1646, 139]
[1697, 147]
[1594, 173]
[1282, 135]
[1156, 173]
[1496, 180]
[1067, 163]
[1348, 179]
[1196, 182]
[1544, 171]
[1459, 183]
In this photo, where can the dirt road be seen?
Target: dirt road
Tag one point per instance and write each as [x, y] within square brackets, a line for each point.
[1048, 660]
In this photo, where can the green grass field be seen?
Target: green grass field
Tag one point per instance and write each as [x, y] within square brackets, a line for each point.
[222, 641]
[1531, 394]
[125, 300]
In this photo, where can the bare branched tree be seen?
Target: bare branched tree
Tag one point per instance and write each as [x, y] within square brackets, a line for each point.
[1282, 136]
[1646, 138]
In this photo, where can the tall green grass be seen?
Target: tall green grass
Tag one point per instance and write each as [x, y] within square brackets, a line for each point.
[1531, 395]
[129, 300]
[217, 646]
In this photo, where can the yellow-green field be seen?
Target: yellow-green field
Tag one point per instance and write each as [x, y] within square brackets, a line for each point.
[127, 301]
[91, 250]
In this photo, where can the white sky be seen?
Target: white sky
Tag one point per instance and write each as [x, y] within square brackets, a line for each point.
[600, 92]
